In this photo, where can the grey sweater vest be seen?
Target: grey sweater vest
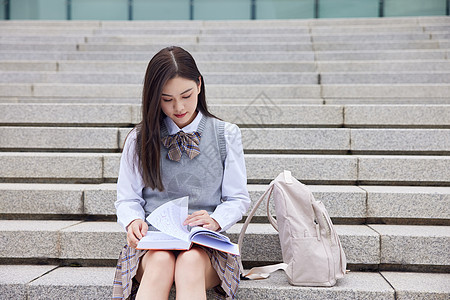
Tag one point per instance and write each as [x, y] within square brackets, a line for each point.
[199, 178]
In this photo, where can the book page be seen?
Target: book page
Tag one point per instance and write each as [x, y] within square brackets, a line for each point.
[216, 244]
[169, 217]
[159, 240]
[204, 231]
[213, 239]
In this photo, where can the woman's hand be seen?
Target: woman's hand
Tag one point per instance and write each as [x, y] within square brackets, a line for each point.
[135, 231]
[202, 218]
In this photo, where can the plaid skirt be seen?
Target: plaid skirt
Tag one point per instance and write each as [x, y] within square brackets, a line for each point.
[226, 266]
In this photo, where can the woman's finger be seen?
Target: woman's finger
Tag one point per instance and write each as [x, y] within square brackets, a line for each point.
[137, 231]
[195, 216]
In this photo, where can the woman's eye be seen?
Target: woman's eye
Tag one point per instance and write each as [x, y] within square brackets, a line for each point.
[187, 97]
[167, 100]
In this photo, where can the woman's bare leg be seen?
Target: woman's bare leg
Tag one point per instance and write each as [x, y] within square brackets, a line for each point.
[156, 275]
[194, 274]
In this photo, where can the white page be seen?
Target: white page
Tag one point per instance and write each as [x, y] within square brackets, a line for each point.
[160, 240]
[169, 217]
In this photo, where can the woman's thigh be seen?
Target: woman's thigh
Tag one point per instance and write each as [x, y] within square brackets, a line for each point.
[159, 261]
[194, 264]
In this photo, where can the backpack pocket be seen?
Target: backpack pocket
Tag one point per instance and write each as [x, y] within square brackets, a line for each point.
[309, 266]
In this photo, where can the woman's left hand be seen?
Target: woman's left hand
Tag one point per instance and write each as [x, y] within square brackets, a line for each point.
[202, 218]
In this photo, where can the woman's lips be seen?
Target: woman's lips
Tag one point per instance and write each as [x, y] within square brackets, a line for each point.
[180, 116]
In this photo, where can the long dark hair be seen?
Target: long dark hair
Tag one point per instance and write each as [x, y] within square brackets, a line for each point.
[168, 63]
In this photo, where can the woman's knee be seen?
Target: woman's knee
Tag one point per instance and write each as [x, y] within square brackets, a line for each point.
[159, 263]
[191, 264]
[193, 257]
[158, 258]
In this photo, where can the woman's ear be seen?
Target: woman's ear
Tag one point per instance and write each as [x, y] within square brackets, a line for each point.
[199, 86]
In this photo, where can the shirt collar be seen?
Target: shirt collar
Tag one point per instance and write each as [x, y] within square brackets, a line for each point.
[172, 128]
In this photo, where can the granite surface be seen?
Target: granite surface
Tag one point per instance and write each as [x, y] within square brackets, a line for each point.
[414, 244]
[415, 286]
[50, 165]
[31, 239]
[14, 278]
[17, 198]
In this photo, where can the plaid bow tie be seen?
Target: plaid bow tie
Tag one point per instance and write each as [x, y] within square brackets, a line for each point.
[181, 141]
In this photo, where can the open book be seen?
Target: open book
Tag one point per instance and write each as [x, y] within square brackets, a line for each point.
[168, 219]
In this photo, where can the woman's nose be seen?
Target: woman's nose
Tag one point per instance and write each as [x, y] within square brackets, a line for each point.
[178, 106]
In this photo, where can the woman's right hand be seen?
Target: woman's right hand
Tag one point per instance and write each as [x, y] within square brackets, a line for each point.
[135, 231]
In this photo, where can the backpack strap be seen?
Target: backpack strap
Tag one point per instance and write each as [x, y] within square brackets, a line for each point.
[259, 272]
[264, 272]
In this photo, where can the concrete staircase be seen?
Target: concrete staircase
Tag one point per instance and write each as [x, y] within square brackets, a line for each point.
[356, 108]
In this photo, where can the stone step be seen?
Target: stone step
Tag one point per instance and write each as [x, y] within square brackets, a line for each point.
[59, 47]
[232, 66]
[81, 199]
[138, 77]
[234, 101]
[189, 37]
[404, 244]
[249, 46]
[371, 29]
[42, 39]
[189, 34]
[269, 114]
[202, 47]
[200, 39]
[327, 101]
[49, 31]
[409, 55]
[249, 91]
[252, 26]
[375, 169]
[433, 77]
[406, 54]
[395, 115]
[261, 168]
[32, 282]
[370, 36]
[392, 22]
[401, 245]
[255, 140]
[345, 203]
[394, 45]
[191, 47]
[127, 114]
[382, 66]
[437, 27]
[385, 90]
[140, 66]
[262, 37]
[103, 77]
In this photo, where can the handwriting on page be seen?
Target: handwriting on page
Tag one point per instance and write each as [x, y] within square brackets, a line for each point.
[169, 217]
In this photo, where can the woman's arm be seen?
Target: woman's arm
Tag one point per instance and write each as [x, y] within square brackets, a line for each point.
[236, 200]
[129, 204]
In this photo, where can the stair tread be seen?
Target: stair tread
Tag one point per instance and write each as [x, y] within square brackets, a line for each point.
[70, 282]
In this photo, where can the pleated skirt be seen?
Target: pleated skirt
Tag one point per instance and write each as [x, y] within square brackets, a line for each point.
[225, 264]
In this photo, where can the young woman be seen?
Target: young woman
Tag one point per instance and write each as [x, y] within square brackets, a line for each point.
[179, 149]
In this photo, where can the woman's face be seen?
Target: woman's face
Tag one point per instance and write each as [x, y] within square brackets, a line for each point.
[179, 100]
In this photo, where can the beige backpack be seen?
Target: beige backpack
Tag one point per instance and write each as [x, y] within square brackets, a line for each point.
[312, 252]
